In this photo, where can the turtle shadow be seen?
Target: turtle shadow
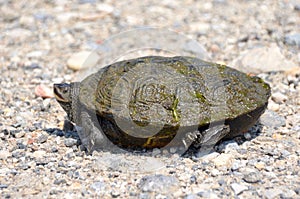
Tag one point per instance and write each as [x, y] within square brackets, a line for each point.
[220, 147]
[68, 131]
[61, 133]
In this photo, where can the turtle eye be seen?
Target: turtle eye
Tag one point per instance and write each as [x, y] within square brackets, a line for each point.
[65, 90]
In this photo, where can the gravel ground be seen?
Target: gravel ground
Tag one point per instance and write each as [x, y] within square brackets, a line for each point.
[40, 160]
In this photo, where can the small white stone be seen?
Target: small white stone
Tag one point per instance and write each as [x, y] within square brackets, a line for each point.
[4, 171]
[208, 6]
[68, 77]
[273, 106]
[102, 7]
[223, 160]
[238, 188]
[263, 59]
[47, 103]
[279, 97]
[4, 154]
[57, 79]
[38, 154]
[208, 156]
[26, 20]
[83, 59]
[66, 16]
[214, 172]
[156, 151]
[20, 134]
[36, 53]
[272, 193]
[15, 59]
[201, 28]
[231, 146]
[247, 136]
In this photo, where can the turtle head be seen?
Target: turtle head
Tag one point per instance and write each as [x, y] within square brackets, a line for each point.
[67, 96]
[62, 92]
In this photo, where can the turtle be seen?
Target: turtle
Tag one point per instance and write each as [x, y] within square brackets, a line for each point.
[159, 102]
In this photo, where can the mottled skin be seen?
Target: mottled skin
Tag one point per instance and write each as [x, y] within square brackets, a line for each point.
[186, 101]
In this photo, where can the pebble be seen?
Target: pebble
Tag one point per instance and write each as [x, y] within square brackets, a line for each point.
[102, 7]
[115, 193]
[4, 154]
[159, 183]
[121, 163]
[92, 17]
[86, 1]
[208, 157]
[272, 193]
[285, 153]
[236, 164]
[247, 136]
[76, 185]
[69, 142]
[215, 172]
[252, 177]
[42, 138]
[207, 194]
[8, 13]
[39, 154]
[59, 181]
[191, 196]
[43, 91]
[35, 54]
[3, 186]
[260, 165]
[83, 60]
[58, 80]
[263, 59]
[228, 146]
[41, 16]
[20, 134]
[272, 119]
[238, 188]
[45, 106]
[223, 160]
[20, 33]
[193, 179]
[273, 106]
[200, 28]
[98, 186]
[279, 97]
[32, 66]
[288, 193]
[293, 39]
[293, 73]
[26, 20]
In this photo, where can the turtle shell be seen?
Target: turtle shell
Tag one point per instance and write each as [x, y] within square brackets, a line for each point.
[146, 102]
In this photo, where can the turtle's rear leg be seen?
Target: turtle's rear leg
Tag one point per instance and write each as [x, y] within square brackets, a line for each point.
[205, 141]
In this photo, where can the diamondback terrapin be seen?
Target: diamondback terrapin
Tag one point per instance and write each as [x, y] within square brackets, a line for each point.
[155, 102]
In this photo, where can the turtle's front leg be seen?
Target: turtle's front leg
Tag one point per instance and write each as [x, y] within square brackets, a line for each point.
[91, 137]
